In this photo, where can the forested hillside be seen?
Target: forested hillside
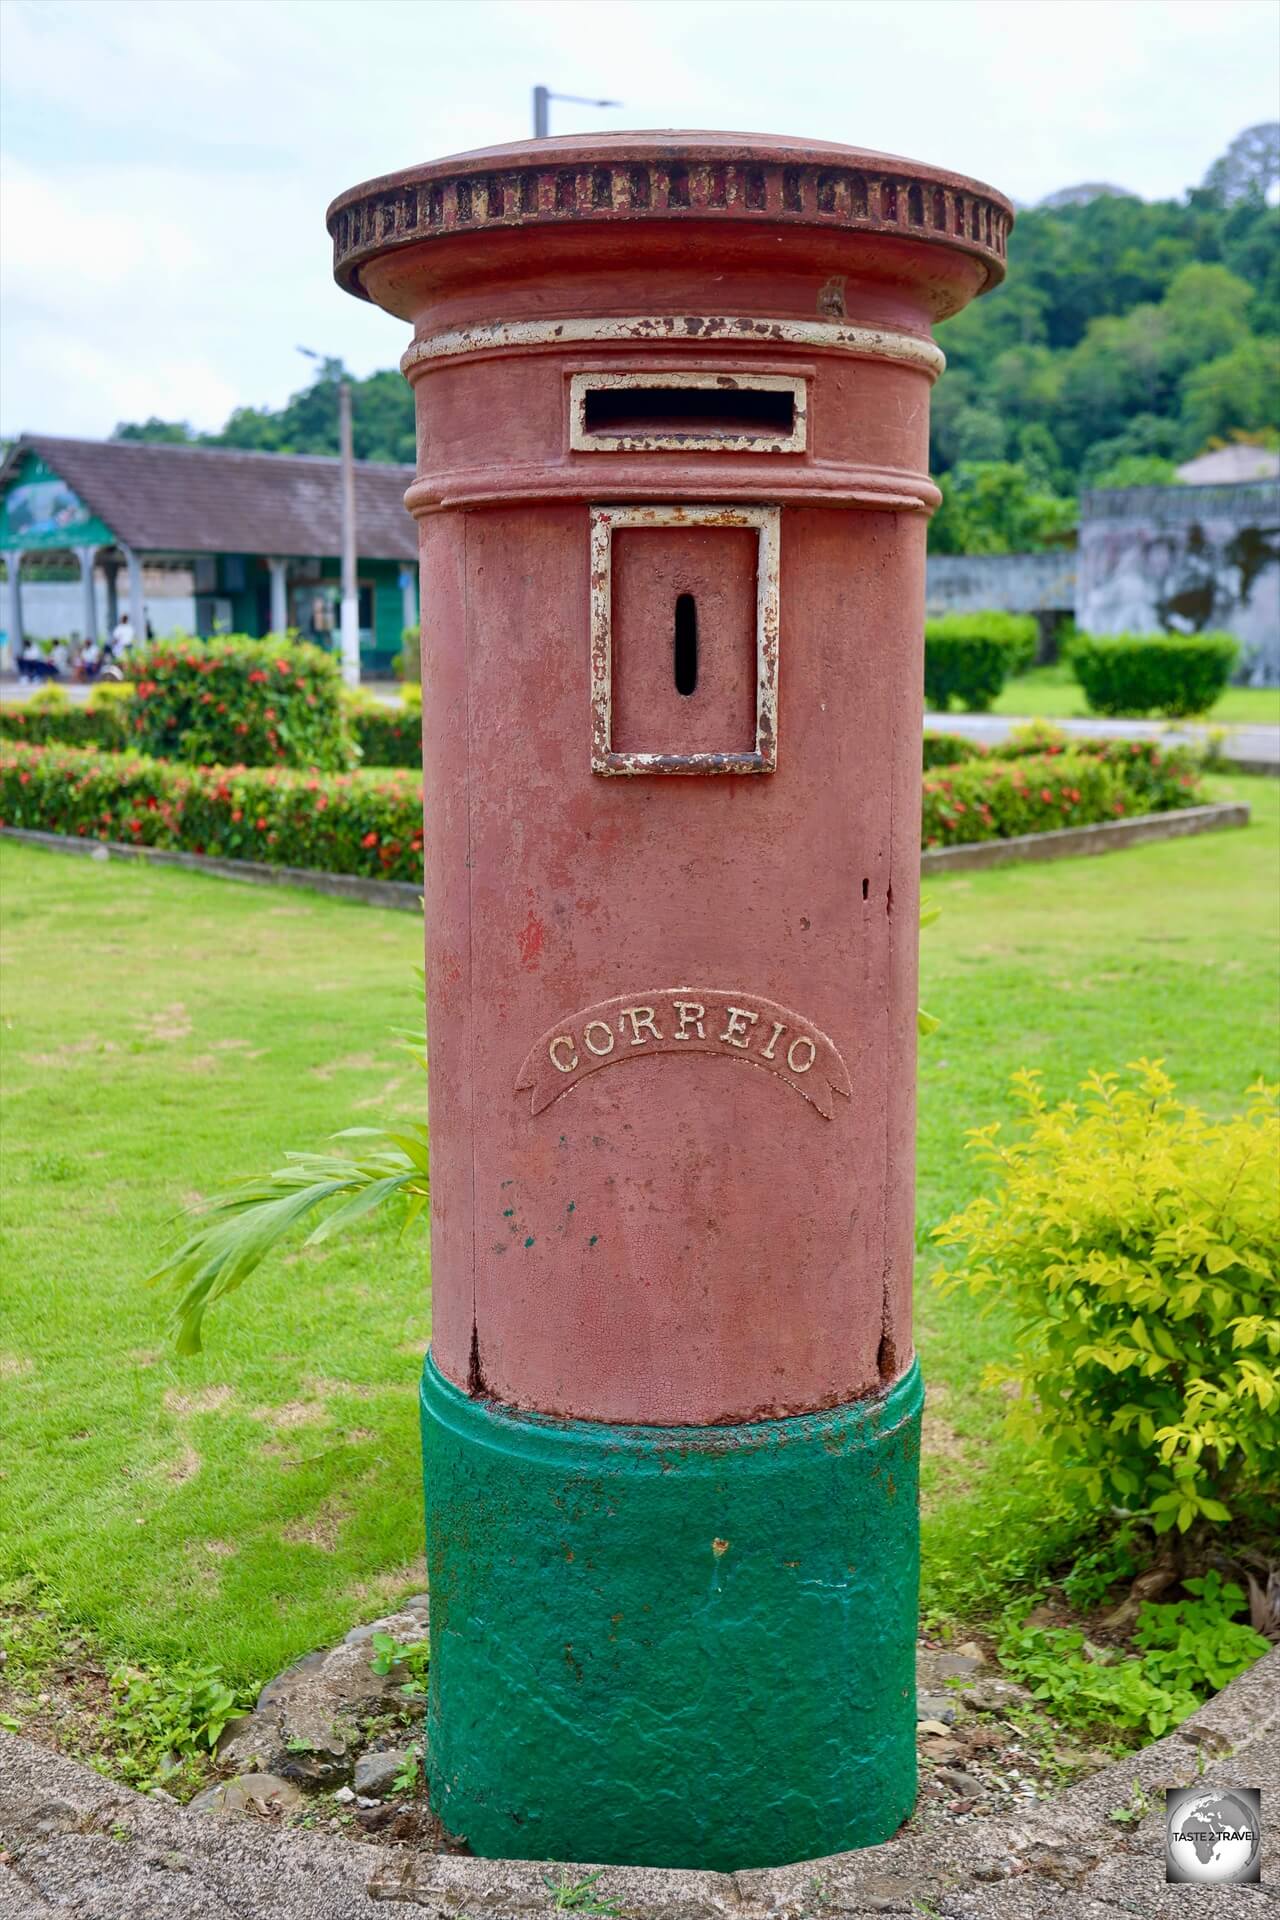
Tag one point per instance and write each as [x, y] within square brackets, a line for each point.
[1128, 336]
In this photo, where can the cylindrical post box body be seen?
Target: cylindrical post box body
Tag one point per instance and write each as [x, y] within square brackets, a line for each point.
[672, 402]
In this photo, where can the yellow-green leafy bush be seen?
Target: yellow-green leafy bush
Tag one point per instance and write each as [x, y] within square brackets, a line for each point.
[1137, 1241]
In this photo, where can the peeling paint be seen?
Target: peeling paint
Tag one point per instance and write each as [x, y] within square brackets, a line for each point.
[763, 758]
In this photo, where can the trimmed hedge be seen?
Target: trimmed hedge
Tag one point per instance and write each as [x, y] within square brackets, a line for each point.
[51, 716]
[969, 656]
[239, 702]
[949, 749]
[371, 824]
[1156, 775]
[387, 736]
[992, 799]
[337, 823]
[1170, 673]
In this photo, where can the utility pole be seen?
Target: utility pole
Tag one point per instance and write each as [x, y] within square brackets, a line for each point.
[350, 590]
[349, 617]
[542, 98]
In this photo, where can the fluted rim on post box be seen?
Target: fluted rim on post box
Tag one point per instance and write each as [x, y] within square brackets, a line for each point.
[608, 179]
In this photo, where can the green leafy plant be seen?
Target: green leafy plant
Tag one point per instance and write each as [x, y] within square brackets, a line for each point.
[1198, 1642]
[408, 1776]
[237, 1229]
[387, 736]
[161, 1717]
[363, 824]
[1095, 1571]
[1137, 1808]
[1188, 1650]
[1169, 673]
[234, 701]
[1136, 1241]
[996, 799]
[949, 749]
[969, 656]
[580, 1896]
[53, 717]
[413, 1659]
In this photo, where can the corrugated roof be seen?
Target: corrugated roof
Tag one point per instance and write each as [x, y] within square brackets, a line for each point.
[181, 500]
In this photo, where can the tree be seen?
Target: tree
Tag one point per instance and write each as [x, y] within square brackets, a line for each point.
[1136, 470]
[993, 506]
[1249, 168]
[158, 433]
[1240, 389]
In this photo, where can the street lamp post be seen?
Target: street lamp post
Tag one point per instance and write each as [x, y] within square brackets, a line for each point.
[542, 98]
[349, 628]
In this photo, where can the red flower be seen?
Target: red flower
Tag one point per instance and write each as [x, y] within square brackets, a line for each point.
[1046, 796]
[257, 677]
[370, 840]
[237, 814]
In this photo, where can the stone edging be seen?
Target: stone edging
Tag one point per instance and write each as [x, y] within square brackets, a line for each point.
[82, 1846]
[1061, 843]
[1109, 836]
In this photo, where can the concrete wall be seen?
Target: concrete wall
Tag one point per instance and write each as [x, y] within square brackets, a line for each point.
[1014, 582]
[1183, 559]
[53, 609]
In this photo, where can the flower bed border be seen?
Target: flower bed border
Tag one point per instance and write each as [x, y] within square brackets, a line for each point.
[1059, 843]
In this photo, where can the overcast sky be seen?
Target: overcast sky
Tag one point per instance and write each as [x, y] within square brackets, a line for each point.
[167, 163]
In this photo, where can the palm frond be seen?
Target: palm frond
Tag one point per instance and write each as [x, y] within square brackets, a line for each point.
[237, 1229]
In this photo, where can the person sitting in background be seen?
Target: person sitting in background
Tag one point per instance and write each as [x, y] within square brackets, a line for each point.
[33, 664]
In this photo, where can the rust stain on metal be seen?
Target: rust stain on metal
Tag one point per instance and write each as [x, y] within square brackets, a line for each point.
[715, 178]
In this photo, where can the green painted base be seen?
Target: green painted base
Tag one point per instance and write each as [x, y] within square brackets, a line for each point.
[671, 1646]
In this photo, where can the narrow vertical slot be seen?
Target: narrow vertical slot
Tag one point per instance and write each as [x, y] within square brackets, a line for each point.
[685, 650]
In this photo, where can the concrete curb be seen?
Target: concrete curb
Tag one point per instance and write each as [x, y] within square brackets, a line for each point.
[86, 1849]
[1109, 836]
[1063, 843]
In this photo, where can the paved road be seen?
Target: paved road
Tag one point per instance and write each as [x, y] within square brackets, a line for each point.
[1245, 743]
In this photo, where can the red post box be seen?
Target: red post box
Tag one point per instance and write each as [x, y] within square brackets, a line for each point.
[672, 401]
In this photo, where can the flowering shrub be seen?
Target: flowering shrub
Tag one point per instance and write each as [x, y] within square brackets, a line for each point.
[387, 736]
[949, 749]
[1173, 673]
[1135, 1239]
[371, 823]
[969, 656]
[1155, 777]
[359, 823]
[103, 720]
[995, 799]
[238, 702]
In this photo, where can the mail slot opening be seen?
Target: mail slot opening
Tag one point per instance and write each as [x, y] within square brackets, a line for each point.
[686, 644]
[700, 413]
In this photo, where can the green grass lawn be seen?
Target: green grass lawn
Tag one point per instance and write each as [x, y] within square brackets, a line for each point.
[164, 1032]
[1051, 693]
